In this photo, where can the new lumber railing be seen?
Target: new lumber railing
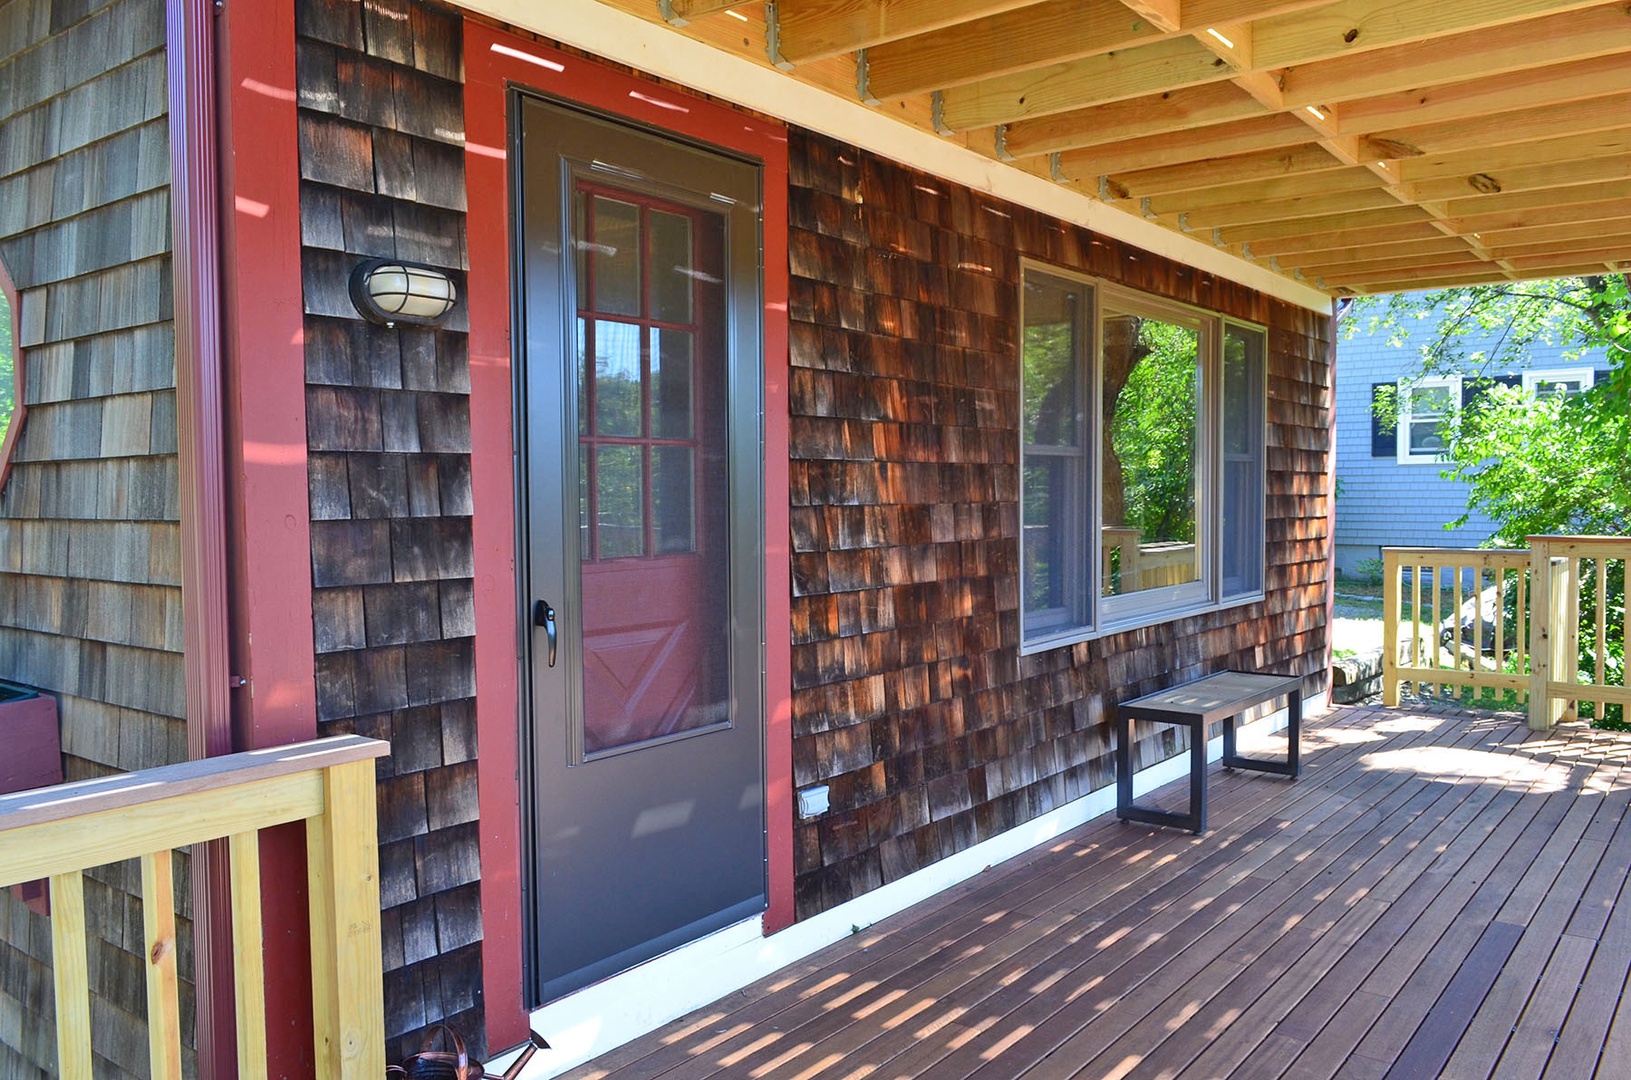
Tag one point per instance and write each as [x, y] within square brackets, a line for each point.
[58, 832]
[1516, 621]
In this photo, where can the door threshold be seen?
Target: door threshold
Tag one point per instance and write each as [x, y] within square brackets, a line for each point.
[620, 1008]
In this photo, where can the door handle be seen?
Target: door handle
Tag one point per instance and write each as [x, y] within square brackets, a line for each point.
[543, 615]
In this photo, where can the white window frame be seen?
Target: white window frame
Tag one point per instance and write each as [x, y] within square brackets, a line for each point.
[1406, 392]
[1585, 376]
[1116, 614]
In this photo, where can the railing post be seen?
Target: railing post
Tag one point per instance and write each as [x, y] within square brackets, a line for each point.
[1548, 582]
[348, 993]
[71, 974]
[1390, 628]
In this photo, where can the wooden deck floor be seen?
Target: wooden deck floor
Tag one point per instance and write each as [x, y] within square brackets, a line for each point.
[1436, 897]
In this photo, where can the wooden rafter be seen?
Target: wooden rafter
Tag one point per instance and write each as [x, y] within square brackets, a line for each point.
[813, 29]
[1262, 133]
[1576, 35]
[1048, 33]
[1522, 126]
[1210, 174]
[1138, 117]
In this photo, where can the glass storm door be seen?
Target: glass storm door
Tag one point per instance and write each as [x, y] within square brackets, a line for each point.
[641, 479]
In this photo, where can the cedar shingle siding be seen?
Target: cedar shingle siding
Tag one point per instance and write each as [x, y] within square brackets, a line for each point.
[910, 697]
[90, 565]
[388, 423]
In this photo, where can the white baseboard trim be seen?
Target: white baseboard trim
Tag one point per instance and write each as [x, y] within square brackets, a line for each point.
[616, 1010]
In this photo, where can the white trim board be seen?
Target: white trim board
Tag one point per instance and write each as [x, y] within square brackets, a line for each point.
[601, 1017]
[656, 49]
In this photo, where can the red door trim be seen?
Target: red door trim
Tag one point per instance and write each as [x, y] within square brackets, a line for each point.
[269, 516]
[493, 61]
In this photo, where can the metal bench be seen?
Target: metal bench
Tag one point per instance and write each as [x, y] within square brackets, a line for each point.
[1197, 705]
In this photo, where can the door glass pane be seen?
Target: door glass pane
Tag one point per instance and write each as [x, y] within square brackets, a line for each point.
[671, 384]
[1151, 467]
[671, 269]
[614, 248]
[672, 497]
[656, 590]
[616, 379]
[620, 501]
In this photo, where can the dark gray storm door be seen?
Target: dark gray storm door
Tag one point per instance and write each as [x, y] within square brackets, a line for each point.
[639, 384]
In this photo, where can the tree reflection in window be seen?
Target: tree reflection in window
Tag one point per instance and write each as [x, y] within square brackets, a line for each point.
[1151, 430]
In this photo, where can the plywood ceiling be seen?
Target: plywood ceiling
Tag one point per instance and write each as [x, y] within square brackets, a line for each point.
[1359, 145]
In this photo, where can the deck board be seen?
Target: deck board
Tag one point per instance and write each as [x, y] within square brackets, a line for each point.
[1439, 895]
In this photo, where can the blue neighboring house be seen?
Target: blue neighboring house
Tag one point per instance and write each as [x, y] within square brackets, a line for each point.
[1391, 492]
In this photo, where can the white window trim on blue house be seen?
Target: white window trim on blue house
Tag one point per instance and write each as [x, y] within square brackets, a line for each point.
[1580, 377]
[1408, 417]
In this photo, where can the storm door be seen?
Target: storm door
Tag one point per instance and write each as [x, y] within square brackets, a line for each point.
[639, 383]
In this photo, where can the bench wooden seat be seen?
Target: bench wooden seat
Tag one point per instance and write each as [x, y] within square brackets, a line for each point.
[1197, 705]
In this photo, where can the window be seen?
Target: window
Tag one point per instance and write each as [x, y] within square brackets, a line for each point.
[1142, 458]
[1425, 406]
[11, 376]
[1564, 381]
[1244, 430]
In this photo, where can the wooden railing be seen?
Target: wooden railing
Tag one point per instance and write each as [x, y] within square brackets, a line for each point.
[58, 832]
[1514, 622]
[1561, 568]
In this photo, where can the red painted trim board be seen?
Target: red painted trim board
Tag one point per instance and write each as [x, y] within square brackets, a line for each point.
[269, 522]
[493, 61]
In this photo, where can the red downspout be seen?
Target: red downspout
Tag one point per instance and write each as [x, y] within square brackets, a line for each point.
[200, 446]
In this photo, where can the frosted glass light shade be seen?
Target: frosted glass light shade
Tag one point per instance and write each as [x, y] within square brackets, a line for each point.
[390, 292]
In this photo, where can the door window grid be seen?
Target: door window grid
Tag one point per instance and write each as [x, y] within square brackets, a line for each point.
[652, 522]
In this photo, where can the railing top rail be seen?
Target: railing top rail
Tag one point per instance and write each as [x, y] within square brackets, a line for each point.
[1575, 544]
[124, 790]
[1456, 551]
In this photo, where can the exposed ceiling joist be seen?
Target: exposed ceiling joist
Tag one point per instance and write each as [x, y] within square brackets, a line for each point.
[1095, 80]
[1258, 134]
[1523, 126]
[1371, 144]
[1492, 160]
[1138, 117]
[1489, 95]
[812, 29]
[1417, 232]
[1546, 177]
[1048, 33]
[1554, 215]
[1575, 35]
[1265, 165]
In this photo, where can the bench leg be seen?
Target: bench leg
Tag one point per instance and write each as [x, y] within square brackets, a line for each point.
[1124, 766]
[1294, 731]
[1197, 777]
[1229, 741]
